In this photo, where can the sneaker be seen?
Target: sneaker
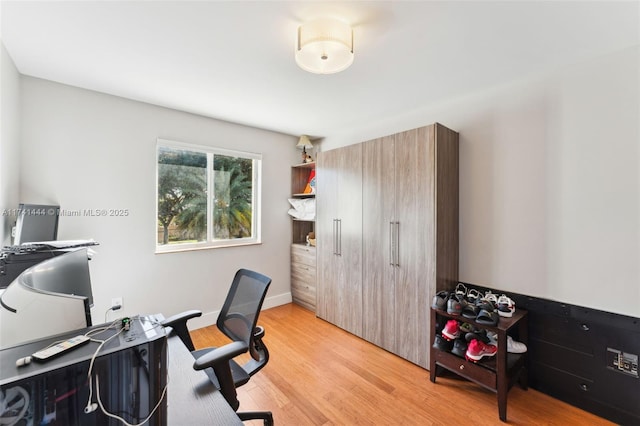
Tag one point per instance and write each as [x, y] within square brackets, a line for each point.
[451, 330]
[440, 300]
[454, 306]
[441, 343]
[493, 337]
[461, 290]
[506, 306]
[515, 347]
[473, 295]
[477, 350]
[459, 347]
[490, 297]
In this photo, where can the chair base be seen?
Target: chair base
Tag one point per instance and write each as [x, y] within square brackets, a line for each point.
[266, 416]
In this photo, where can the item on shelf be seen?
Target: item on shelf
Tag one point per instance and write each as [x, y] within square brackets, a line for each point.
[477, 335]
[303, 209]
[451, 330]
[461, 290]
[310, 188]
[490, 297]
[454, 306]
[459, 347]
[470, 311]
[311, 239]
[515, 347]
[440, 300]
[477, 350]
[441, 343]
[488, 317]
[473, 295]
[506, 306]
[467, 328]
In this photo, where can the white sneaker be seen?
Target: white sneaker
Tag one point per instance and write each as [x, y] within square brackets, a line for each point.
[515, 347]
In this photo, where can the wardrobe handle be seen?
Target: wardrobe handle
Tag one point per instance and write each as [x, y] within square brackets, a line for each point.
[397, 244]
[335, 237]
[339, 237]
[391, 253]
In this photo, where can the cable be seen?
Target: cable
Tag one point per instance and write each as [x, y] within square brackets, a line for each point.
[91, 407]
[106, 413]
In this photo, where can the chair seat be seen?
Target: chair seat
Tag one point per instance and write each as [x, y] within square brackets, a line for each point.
[240, 376]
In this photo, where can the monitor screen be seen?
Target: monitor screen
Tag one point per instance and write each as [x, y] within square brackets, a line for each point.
[36, 222]
[49, 298]
[66, 274]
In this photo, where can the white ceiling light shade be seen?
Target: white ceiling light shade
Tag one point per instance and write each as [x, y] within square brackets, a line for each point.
[324, 46]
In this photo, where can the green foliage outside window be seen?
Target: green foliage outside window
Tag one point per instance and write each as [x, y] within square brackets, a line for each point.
[184, 178]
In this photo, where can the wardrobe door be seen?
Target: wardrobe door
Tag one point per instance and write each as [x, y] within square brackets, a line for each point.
[327, 166]
[415, 217]
[339, 233]
[378, 244]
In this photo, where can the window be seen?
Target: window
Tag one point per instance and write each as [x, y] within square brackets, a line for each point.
[207, 197]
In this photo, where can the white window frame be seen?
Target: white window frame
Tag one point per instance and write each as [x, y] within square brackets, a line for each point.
[256, 198]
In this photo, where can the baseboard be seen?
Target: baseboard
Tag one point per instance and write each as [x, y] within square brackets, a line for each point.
[209, 318]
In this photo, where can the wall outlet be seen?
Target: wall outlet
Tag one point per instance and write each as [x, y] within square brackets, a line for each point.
[117, 301]
[622, 362]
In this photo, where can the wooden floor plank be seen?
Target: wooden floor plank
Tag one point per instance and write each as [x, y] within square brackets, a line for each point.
[321, 375]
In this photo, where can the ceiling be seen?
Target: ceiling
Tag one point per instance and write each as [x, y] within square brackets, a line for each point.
[234, 60]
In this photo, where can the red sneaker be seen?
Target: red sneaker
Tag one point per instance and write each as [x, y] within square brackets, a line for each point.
[451, 330]
[478, 349]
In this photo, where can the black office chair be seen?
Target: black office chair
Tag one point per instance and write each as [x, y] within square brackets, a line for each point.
[238, 321]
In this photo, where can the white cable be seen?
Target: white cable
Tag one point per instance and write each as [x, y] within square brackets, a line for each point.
[90, 407]
[106, 413]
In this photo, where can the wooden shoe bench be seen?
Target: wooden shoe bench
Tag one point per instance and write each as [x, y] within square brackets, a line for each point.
[497, 373]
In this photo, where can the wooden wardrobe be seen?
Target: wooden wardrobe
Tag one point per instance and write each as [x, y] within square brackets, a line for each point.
[387, 236]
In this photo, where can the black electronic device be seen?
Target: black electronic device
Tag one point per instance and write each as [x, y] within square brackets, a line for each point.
[128, 378]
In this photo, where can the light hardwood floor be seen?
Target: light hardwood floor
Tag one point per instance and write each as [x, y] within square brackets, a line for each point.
[318, 374]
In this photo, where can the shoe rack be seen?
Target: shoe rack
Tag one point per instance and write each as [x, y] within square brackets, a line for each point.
[497, 373]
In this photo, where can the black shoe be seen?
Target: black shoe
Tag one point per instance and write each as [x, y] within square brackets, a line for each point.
[441, 343]
[459, 347]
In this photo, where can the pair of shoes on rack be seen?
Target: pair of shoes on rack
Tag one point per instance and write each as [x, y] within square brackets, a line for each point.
[477, 349]
[513, 346]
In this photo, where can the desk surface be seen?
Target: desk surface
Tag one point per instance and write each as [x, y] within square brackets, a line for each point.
[192, 398]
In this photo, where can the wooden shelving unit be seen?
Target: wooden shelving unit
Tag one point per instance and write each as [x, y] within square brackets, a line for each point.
[497, 374]
[303, 256]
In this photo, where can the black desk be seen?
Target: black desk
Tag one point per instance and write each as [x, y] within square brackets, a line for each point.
[191, 399]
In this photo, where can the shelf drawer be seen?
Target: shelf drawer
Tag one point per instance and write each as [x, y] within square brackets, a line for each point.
[474, 372]
[303, 293]
[303, 254]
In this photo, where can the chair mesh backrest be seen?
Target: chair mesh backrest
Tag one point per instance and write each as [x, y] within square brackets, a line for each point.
[240, 311]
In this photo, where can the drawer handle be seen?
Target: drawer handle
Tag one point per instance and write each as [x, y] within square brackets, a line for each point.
[584, 327]
[461, 367]
[584, 387]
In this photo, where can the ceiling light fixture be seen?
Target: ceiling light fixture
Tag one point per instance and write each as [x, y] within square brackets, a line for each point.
[325, 46]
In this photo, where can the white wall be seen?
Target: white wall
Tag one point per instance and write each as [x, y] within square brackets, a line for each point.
[9, 143]
[549, 182]
[86, 150]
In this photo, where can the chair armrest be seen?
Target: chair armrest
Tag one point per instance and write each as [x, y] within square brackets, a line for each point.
[178, 323]
[221, 354]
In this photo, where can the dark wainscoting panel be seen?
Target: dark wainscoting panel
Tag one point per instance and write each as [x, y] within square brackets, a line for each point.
[574, 353]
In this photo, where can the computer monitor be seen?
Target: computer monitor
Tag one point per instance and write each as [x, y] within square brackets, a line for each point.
[36, 222]
[49, 298]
